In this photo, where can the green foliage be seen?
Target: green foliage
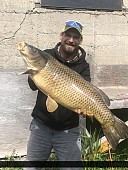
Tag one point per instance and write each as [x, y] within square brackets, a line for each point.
[14, 156]
[90, 152]
[90, 147]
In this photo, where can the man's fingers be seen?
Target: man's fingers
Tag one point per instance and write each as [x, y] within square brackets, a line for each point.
[80, 111]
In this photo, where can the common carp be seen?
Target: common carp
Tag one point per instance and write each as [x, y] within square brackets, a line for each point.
[64, 86]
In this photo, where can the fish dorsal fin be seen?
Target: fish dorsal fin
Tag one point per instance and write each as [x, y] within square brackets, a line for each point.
[51, 104]
[103, 95]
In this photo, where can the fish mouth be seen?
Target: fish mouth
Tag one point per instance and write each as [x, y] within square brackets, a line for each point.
[21, 46]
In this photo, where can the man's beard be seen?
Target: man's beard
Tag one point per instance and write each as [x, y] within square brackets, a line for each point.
[67, 48]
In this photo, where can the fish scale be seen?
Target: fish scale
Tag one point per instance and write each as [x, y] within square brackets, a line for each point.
[68, 96]
[66, 87]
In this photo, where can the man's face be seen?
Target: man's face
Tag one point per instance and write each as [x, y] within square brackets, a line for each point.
[70, 40]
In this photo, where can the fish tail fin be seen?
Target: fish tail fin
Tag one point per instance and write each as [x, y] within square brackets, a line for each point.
[119, 130]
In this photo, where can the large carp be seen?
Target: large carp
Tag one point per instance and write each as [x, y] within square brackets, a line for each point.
[66, 87]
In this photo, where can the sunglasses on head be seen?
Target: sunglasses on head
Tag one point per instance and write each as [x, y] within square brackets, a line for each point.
[74, 24]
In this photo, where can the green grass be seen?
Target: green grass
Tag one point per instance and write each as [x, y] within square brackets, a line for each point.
[90, 152]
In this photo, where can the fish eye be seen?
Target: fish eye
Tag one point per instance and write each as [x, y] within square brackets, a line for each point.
[34, 49]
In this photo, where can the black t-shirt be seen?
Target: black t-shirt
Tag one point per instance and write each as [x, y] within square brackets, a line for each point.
[62, 118]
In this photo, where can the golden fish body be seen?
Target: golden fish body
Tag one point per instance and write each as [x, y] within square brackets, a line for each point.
[66, 87]
[69, 89]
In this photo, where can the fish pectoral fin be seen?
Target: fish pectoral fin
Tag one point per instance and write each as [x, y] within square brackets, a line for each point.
[30, 71]
[51, 104]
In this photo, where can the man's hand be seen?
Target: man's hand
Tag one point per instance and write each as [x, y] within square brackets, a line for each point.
[84, 112]
[81, 111]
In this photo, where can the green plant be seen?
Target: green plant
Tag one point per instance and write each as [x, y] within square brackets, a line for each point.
[12, 157]
[90, 152]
